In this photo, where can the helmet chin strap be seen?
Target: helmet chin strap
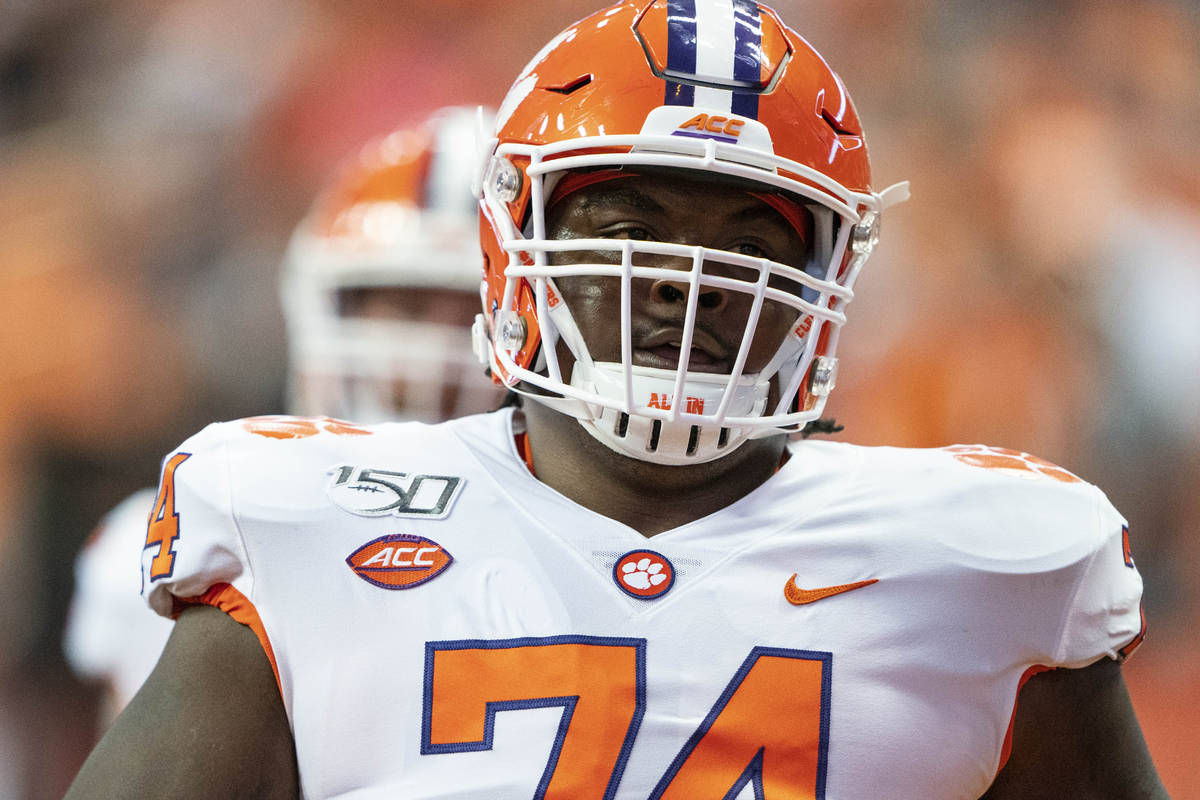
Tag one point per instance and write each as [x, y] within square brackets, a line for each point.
[663, 441]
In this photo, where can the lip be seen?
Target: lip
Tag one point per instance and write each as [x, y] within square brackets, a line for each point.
[661, 350]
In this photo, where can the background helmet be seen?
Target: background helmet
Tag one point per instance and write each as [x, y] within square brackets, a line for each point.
[381, 281]
[716, 87]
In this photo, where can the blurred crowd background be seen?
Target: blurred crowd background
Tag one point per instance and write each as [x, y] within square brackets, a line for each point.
[1041, 291]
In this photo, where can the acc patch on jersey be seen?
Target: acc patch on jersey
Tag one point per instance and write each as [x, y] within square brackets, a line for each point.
[399, 561]
[380, 492]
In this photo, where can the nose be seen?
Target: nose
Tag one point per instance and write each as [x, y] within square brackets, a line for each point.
[671, 292]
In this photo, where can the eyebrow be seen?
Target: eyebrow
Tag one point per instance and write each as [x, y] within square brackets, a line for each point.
[631, 197]
[620, 195]
[757, 212]
[767, 215]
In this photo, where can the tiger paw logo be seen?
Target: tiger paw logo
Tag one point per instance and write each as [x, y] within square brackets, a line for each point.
[284, 427]
[1011, 462]
[644, 574]
[399, 561]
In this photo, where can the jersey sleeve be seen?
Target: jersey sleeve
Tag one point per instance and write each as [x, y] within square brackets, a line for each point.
[193, 549]
[1104, 616]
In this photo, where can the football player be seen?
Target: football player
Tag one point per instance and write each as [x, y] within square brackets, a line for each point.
[379, 286]
[382, 277]
[631, 586]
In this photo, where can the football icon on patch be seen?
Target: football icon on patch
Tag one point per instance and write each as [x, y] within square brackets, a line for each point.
[399, 561]
[381, 492]
[644, 574]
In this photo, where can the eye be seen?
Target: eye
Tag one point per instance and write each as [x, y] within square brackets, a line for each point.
[629, 231]
[749, 249]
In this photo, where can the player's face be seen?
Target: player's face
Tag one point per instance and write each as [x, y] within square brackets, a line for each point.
[425, 383]
[681, 211]
[409, 304]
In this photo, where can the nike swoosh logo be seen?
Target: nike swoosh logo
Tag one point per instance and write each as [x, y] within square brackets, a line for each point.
[799, 597]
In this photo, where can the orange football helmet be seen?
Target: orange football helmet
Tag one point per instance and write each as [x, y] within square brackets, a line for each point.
[715, 87]
[381, 282]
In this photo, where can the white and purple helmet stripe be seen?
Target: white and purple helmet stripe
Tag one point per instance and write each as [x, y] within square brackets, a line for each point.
[714, 45]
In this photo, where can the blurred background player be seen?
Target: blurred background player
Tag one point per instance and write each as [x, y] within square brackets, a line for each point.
[381, 278]
[379, 285]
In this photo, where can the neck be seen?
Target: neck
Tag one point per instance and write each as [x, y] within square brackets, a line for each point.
[650, 498]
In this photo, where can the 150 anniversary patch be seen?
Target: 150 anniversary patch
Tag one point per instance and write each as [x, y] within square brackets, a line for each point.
[380, 492]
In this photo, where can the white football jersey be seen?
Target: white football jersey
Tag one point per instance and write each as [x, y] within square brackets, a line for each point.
[110, 634]
[443, 625]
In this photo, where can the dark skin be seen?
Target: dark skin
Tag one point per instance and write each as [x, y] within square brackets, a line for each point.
[1076, 737]
[652, 498]
[210, 721]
